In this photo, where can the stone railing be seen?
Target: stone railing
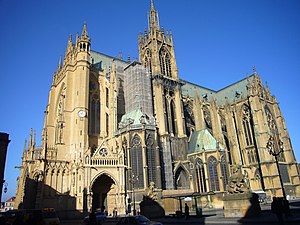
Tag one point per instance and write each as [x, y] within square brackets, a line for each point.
[104, 161]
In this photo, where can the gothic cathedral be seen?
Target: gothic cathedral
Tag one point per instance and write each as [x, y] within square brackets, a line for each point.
[114, 128]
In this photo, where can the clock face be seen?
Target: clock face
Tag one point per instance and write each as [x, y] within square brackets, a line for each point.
[81, 113]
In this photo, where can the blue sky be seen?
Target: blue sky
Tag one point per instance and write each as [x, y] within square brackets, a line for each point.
[216, 44]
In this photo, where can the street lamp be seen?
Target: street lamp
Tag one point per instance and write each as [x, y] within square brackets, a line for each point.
[275, 149]
[133, 180]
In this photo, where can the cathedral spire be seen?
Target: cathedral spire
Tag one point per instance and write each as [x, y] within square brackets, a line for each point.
[152, 4]
[153, 17]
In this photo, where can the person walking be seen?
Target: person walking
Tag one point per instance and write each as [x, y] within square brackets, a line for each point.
[277, 208]
[187, 211]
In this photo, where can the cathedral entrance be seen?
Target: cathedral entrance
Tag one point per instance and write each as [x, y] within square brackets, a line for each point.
[103, 194]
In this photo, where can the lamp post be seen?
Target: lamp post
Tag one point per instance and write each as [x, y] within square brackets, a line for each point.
[275, 149]
[133, 180]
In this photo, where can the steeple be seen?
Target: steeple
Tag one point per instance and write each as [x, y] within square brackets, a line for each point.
[153, 22]
[84, 33]
[83, 42]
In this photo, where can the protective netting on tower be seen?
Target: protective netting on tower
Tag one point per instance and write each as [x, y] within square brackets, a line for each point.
[137, 90]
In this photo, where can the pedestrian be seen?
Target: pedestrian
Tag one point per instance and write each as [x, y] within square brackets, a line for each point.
[187, 211]
[92, 218]
[277, 208]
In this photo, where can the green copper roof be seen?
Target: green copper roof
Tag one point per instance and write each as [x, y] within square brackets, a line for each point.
[226, 95]
[133, 117]
[203, 140]
[101, 61]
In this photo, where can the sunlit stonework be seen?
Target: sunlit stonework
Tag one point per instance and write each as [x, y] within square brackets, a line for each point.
[115, 131]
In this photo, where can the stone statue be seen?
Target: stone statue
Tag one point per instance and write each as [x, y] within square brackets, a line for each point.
[151, 192]
[237, 182]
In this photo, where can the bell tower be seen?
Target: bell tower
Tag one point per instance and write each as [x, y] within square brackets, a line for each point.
[156, 51]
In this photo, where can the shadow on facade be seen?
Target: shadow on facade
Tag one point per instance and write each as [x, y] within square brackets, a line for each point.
[39, 196]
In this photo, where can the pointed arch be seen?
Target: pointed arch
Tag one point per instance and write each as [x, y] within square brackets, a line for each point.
[60, 123]
[271, 121]
[247, 125]
[94, 108]
[136, 160]
[200, 176]
[165, 62]
[148, 60]
[173, 117]
[224, 170]
[151, 157]
[181, 178]
[213, 175]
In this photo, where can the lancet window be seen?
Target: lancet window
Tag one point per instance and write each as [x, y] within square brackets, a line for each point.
[165, 62]
[170, 112]
[224, 171]
[94, 109]
[189, 118]
[213, 174]
[60, 124]
[136, 158]
[148, 60]
[151, 158]
[200, 175]
[247, 126]
[271, 121]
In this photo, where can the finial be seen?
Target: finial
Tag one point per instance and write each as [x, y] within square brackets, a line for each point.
[77, 37]
[60, 63]
[152, 4]
[84, 33]
[70, 38]
[254, 69]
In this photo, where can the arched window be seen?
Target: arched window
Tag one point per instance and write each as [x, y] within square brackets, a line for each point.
[94, 109]
[136, 159]
[273, 129]
[181, 179]
[213, 174]
[224, 171]
[200, 175]
[151, 158]
[148, 60]
[166, 110]
[271, 121]
[189, 117]
[170, 112]
[60, 124]
[165, 62]
[173, 117]
[247, 123]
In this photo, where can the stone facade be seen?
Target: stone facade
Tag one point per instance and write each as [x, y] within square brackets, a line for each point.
[105, 139]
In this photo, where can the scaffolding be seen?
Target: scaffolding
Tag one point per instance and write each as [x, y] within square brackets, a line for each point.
[137, 89]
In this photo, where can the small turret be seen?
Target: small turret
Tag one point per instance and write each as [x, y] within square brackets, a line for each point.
[83, 42]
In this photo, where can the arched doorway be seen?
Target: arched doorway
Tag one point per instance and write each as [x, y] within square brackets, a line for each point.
[103, 193]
